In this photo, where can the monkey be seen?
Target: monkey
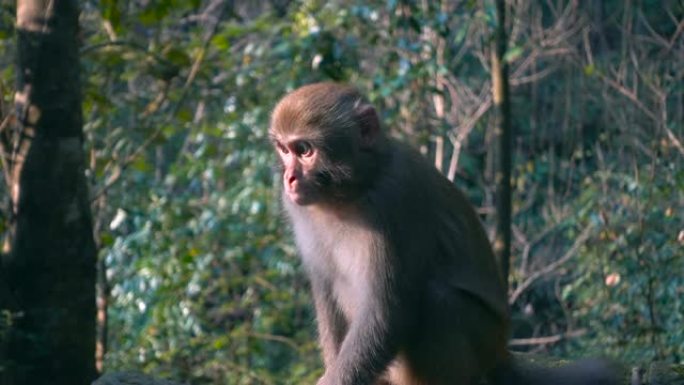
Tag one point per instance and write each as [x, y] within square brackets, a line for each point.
[404, 281]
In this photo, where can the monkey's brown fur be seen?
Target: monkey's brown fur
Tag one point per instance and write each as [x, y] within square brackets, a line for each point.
[406, 288]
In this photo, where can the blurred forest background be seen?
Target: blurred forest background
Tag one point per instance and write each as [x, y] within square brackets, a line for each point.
[198, 278]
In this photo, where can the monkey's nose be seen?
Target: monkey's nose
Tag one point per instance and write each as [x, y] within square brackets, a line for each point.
[291, 180]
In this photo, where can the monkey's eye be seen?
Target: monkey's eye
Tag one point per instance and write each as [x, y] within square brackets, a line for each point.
[303, 149]
[281, 148]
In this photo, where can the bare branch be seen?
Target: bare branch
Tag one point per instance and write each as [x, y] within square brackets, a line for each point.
[546, 340]
[186, 86]
[552, 267]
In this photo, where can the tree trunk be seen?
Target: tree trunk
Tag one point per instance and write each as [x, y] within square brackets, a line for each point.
[502, 110]
[48, 260]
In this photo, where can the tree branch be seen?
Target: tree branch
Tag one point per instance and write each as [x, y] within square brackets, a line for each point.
[550, 268]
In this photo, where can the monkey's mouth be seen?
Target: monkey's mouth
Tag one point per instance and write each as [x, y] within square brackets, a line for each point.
[294, 196]
[298, 195]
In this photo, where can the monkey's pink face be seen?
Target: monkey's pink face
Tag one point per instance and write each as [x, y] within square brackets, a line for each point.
[298, 158]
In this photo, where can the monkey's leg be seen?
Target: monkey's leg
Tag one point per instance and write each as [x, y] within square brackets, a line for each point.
[459, 340]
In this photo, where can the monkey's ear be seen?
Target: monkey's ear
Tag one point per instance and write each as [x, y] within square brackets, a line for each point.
[370, 125]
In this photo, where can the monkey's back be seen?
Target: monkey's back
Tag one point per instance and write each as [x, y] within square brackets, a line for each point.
[428, 211]
[448, 272]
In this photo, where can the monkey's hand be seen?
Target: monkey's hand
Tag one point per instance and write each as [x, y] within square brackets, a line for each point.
[370, 345]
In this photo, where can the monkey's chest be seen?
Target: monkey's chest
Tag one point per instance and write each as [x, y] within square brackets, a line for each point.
[350, 282]
[341, 256]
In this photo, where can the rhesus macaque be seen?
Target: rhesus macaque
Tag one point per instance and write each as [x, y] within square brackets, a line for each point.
[404, 280]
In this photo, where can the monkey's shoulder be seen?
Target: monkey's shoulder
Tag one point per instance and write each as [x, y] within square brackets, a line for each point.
[416, 187]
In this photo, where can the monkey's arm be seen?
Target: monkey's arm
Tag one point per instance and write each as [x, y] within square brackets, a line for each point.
[365, 353]
[331, 323]
[373, 338]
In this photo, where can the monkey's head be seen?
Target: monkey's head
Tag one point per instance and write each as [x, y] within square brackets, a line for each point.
[328, 139]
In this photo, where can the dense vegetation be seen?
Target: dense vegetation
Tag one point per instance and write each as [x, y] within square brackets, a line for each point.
[198, 274]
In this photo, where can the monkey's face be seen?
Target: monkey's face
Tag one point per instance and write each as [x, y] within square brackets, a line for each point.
[322, 170]
[299, 159]
[325, 136]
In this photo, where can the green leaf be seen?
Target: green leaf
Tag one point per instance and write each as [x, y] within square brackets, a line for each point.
[106, 239]
[512, 54]
[220, 42]
[184, 115]
[112, 13]
[141, 164]
[589, 70]
[177, 56]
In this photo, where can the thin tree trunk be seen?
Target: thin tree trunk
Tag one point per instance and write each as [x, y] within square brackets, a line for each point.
[49, 257]
[102, 301]
[502, 110]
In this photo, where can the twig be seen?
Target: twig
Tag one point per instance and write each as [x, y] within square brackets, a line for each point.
[4, 144]
[125, 43]
[276, 338]
[584, 235]
[463, 132]
[186, 86]
[546, 340]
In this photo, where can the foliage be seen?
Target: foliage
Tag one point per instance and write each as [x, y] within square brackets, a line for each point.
[629, 283]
